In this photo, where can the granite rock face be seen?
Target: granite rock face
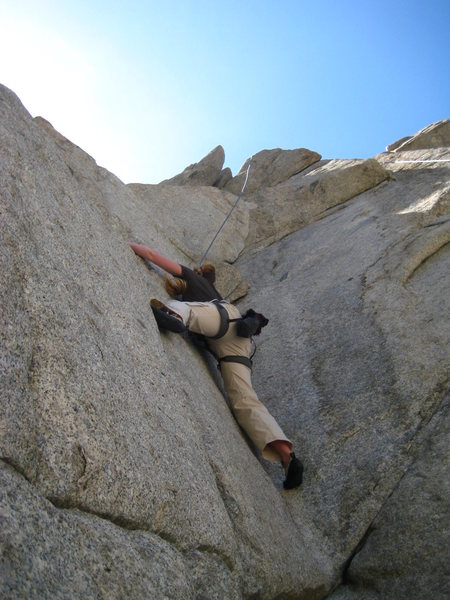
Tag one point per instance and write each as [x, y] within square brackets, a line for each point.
[187, 219]
[277, 211]
[360, 358]
[123, 471]
[403, 554]
[108, 425]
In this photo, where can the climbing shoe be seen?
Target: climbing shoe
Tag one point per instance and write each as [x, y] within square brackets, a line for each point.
[294, 473]
[166, 318]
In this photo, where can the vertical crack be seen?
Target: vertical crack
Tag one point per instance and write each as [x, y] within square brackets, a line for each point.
[359, 546]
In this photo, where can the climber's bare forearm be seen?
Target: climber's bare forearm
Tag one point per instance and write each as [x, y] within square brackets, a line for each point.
[158, 259]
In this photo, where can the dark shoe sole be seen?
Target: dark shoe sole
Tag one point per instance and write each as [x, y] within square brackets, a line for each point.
[166, 321]
[154, 303]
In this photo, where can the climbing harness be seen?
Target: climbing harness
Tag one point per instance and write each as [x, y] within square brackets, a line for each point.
[228, 215]
[224, 320]
[243, 360]
[248, 325]
[202, 342]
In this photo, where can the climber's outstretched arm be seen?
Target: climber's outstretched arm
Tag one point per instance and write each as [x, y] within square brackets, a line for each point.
[158, 259]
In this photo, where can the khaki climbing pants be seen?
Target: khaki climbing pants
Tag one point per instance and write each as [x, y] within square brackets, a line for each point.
[250, 413]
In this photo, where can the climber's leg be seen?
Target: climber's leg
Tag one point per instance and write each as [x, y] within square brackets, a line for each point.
[283, 449]
[250, 412]
[199, 317]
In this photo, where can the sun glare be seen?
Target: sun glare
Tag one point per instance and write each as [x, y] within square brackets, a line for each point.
[51, 78]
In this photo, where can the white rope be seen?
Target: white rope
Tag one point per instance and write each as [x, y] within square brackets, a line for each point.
[424, 161]
[229, 214]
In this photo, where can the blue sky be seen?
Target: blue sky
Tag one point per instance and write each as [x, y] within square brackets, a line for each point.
[149, 87]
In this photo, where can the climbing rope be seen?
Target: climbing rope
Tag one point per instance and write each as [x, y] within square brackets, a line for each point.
[229, 214]
[424, 161]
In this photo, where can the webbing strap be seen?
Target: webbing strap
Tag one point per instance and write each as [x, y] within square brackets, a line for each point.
[224, 322]
[238, 359]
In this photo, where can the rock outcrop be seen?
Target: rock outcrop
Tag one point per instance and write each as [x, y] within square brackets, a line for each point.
[123, 471]
[270, 167]
[435, 135]
[208, 171]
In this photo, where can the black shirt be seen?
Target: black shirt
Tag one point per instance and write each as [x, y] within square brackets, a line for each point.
[198, 289]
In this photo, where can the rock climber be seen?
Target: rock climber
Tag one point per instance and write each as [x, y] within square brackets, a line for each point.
[203, 311]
